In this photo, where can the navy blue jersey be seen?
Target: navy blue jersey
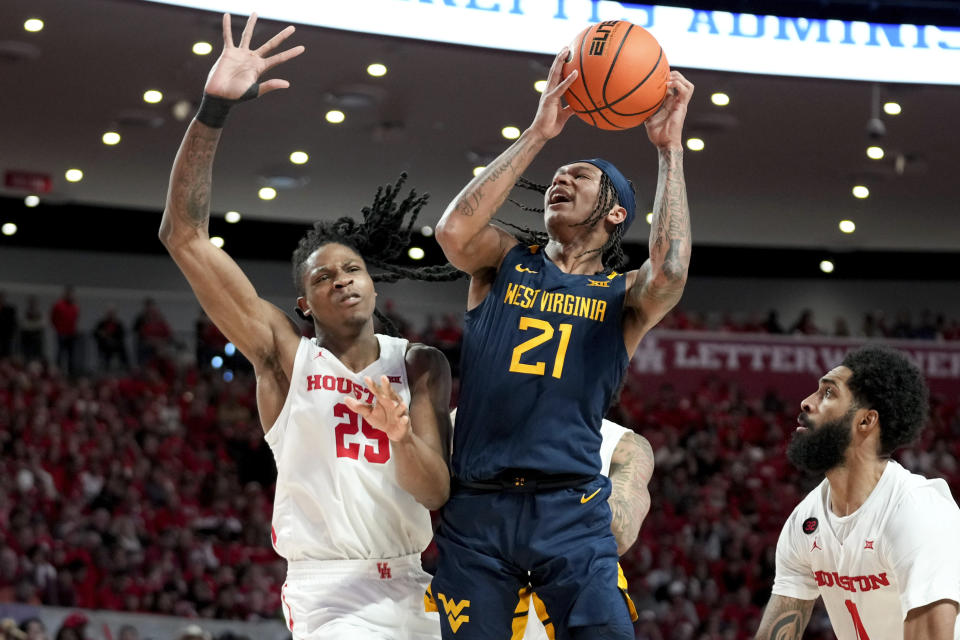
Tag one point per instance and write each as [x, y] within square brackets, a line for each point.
[542, 356]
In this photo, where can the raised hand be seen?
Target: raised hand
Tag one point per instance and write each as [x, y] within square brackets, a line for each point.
[239, 68]
[665, 127]
[551, 112]
[389, 413]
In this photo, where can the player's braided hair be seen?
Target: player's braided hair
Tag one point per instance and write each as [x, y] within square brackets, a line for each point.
[611, 253]
[380, 238]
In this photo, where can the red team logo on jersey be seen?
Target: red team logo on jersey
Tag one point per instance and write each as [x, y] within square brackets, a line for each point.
[384, 569]
[868, 544]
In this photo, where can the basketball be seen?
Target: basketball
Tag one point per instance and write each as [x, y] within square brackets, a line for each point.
[622, 75]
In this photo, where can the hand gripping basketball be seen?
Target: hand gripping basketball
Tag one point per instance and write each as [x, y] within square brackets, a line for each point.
[551, 113]
[235, 75]
[389, 412]
[665, 127]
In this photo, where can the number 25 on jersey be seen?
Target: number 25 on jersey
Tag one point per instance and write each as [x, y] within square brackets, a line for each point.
[377, 449]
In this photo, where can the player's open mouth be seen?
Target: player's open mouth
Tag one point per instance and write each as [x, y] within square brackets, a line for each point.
[350, 299]
[558, 197]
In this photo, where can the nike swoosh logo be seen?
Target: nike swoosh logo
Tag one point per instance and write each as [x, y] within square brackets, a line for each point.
[524, 270]
[585, 498]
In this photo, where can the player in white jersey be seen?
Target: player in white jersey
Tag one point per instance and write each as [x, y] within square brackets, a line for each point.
[627, 459]
[357, 421]
[879, 544]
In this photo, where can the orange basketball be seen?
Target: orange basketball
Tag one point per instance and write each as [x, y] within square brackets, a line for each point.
[622, 75]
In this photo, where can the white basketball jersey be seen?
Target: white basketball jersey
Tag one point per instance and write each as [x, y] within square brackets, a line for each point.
[610, 432]
[337, 495]
[897, 552]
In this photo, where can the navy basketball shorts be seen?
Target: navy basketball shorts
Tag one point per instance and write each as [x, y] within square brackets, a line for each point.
[495, 546]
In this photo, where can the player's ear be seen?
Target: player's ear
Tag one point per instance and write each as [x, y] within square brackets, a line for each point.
[616, 215]
[303, 309]
[868, 421]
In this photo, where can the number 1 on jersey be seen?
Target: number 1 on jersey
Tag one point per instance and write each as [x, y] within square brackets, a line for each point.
[857, 622]
[546, 334]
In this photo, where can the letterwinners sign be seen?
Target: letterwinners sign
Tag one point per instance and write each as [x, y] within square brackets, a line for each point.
[692, 38]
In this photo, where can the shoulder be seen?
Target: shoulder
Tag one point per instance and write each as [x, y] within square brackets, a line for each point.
[423, 359]
[925, 511]
[807, 516]
[614, 431]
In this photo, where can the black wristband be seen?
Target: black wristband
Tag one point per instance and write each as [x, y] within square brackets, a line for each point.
[213, 109]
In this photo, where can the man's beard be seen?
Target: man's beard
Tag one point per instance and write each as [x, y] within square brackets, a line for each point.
[819, 450]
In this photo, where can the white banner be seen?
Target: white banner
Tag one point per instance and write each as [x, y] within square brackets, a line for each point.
[717, 40]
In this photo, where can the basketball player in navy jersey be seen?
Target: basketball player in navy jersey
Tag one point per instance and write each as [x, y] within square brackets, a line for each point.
[549, 332]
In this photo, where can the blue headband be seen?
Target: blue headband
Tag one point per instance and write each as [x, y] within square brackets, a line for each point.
[621, 186]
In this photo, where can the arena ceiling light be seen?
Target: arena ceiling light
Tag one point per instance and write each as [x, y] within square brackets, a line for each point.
[152, 96]
[650, 218]
[33, 25]
[73, 175]
[202, 48]
[8, 229]
[267, 193]
[892, 108]
[826, 266]
[478, 170]
[875, 153]
[861, 192]
[377, 70]
[695, 144]
[510, 132]
[335, 116]
[540, 86]
[416, 253]
[692, 38]
[31, 201]
[426, 231]
[233, 217]
[847, 226]
[720, 99]
[299, 157]
[110, 138]
[217, 241]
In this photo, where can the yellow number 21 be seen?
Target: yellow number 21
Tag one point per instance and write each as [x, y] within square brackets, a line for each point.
[546, 334]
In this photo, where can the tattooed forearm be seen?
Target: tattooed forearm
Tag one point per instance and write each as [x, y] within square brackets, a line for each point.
[784, 618]
[630, 470]
[188, 197]
[670, 237]
[472, 198]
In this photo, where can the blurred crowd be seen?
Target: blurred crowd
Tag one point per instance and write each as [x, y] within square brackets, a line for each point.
[149, 489]
[150, 339]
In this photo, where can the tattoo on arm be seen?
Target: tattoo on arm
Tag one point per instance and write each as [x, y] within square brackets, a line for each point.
[670, 237]
[631, 468]
[785, 618]
[472, 199]
[193, 174]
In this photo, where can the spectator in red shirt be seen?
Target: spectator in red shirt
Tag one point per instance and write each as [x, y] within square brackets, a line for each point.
[63, 316]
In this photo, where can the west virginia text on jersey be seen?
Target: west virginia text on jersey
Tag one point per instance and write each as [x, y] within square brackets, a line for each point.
[542, 356]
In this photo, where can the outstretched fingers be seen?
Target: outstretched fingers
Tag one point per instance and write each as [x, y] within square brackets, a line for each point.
[247, 34]
[227, 32]
[283, 56]
[272, 85]
[275, 41]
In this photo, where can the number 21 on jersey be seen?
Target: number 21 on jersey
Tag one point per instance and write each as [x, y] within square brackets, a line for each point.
[377, 453]
[546, 335]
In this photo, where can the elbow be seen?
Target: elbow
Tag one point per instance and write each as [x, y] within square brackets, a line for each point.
[437, 498]
[447, 236]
